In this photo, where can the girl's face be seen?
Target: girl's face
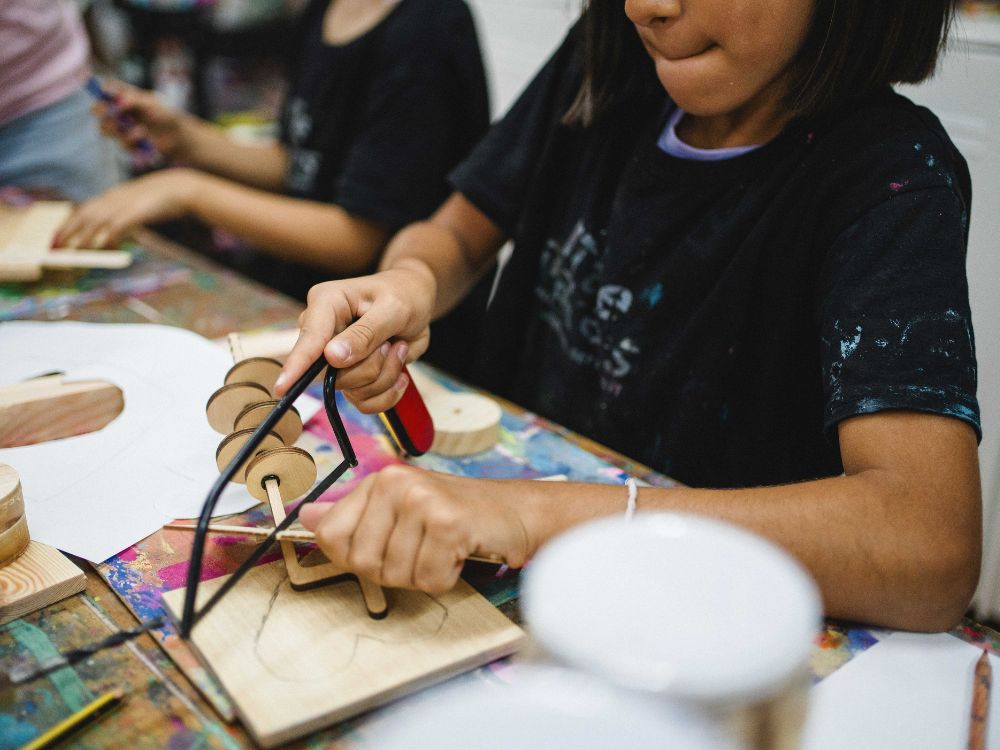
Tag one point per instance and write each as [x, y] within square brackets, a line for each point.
[718, 57]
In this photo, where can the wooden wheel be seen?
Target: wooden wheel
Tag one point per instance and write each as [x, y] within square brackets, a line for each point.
[229, 401]
[232, 444]
[289, 427]
[293, 468]
[260, 370]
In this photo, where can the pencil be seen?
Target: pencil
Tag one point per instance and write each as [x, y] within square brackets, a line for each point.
[85, 715]
[981, 684]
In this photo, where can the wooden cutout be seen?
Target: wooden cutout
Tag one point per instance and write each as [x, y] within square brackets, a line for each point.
[26, 236]
[231, 445]
[260, 370]
[227, 403]
[294, 662]
[289, 427]
[49, 408]
[33, 575]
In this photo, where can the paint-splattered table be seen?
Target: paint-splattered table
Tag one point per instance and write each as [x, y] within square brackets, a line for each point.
[171, 701]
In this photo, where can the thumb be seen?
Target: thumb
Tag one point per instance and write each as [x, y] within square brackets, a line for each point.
[311, 514]
[364, 336]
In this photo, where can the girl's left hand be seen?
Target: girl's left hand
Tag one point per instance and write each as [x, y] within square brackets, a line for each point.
[409, 528]
[105, 220]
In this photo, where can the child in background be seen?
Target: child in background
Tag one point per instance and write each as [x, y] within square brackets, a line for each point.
[385, 97]
[739, 258]
[48, 140]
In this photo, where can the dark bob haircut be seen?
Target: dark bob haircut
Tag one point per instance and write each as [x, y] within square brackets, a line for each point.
[852, 47]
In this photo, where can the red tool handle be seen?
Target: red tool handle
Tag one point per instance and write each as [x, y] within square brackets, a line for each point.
[409, 423]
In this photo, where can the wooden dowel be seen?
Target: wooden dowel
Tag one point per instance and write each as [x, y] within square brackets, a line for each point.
[982, 682]
[86, 259]
[296, 535]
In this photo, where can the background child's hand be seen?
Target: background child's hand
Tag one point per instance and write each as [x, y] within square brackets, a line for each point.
[409, 528]
[105, 220]
[139, 114]
[352, 321]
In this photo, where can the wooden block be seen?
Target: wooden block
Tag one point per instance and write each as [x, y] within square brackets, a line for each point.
[294, 662]
[41, 576]
[49, 408]
[26, 236]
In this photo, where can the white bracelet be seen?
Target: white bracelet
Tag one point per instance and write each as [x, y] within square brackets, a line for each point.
[633, 492]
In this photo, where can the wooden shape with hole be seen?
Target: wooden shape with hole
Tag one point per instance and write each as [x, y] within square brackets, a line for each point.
[232, 444]
[293, 468]
[289, 427]
[227, 403]
[261, 370]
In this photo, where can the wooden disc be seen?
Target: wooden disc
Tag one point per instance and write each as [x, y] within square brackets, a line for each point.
[294, 468]
[14, 536]
[289, 427]
[227, 403]
[232, 444]
[261, 370]
[464, 423]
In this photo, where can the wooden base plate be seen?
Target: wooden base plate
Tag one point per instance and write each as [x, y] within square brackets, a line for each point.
[293, 662]
[40, 576]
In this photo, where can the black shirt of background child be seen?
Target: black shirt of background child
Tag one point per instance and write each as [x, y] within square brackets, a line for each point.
[374, 125]
[717, 320]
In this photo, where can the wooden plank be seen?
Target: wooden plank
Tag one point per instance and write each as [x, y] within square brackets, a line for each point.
[41, 576]
[296, 661]
[49, 408]
[26, 236]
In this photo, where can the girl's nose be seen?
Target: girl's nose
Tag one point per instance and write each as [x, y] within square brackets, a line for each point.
[647, 12]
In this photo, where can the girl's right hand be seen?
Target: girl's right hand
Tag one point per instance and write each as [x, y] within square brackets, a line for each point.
[139, 114]
[368, 328]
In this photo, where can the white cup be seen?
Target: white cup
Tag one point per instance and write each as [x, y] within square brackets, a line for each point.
[685, 608]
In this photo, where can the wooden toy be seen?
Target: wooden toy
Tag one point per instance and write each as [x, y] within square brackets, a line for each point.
[47, 408]
[293, 660]
[26, 249]
[32, 575]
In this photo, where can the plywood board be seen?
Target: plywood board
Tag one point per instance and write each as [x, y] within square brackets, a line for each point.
[293, 662]
[40, 576]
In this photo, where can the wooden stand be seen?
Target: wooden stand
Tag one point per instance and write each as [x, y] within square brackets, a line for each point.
[32, 575]
[293, 662]
[26, 236]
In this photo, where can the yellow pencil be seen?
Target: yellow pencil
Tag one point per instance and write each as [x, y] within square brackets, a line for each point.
[85, 715]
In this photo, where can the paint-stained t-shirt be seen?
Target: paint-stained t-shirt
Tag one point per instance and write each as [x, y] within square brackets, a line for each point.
[717, 320]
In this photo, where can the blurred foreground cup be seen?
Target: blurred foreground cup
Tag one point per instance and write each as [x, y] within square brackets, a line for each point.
[685, 609]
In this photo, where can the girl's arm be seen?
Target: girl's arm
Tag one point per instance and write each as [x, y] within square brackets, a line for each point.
[304, 231]
[895, 541]
[138, 114]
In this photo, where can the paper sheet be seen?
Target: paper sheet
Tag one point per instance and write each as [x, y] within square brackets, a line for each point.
[910, 691]
[94, 495]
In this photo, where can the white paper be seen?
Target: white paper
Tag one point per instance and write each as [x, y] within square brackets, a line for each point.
[909, 691]
[94, 495]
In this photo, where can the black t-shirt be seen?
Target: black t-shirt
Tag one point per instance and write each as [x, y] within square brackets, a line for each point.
[716, 320]
[374, 125]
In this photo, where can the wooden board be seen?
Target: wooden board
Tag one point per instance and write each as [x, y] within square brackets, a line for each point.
[49, 408]
[26, 236]
[41, 576]
[293, 662]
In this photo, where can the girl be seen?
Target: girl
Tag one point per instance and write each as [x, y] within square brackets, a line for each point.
[385, 97]
[739, 257]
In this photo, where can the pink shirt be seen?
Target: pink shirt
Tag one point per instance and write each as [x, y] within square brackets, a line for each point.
[43, 54]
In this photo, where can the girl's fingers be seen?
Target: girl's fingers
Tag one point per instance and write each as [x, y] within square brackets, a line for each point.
[385, 400]
[370, 537]
[365, 372]
[336, 527]
[373, 383]
[401, 551]
[438, 566]
[366, 334]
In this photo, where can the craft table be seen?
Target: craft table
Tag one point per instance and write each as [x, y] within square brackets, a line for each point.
[170, 708]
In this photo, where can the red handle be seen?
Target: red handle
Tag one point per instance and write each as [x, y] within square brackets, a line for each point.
[409, 423]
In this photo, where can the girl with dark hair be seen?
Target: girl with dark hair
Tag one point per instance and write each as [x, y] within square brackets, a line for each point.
[739, 258]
